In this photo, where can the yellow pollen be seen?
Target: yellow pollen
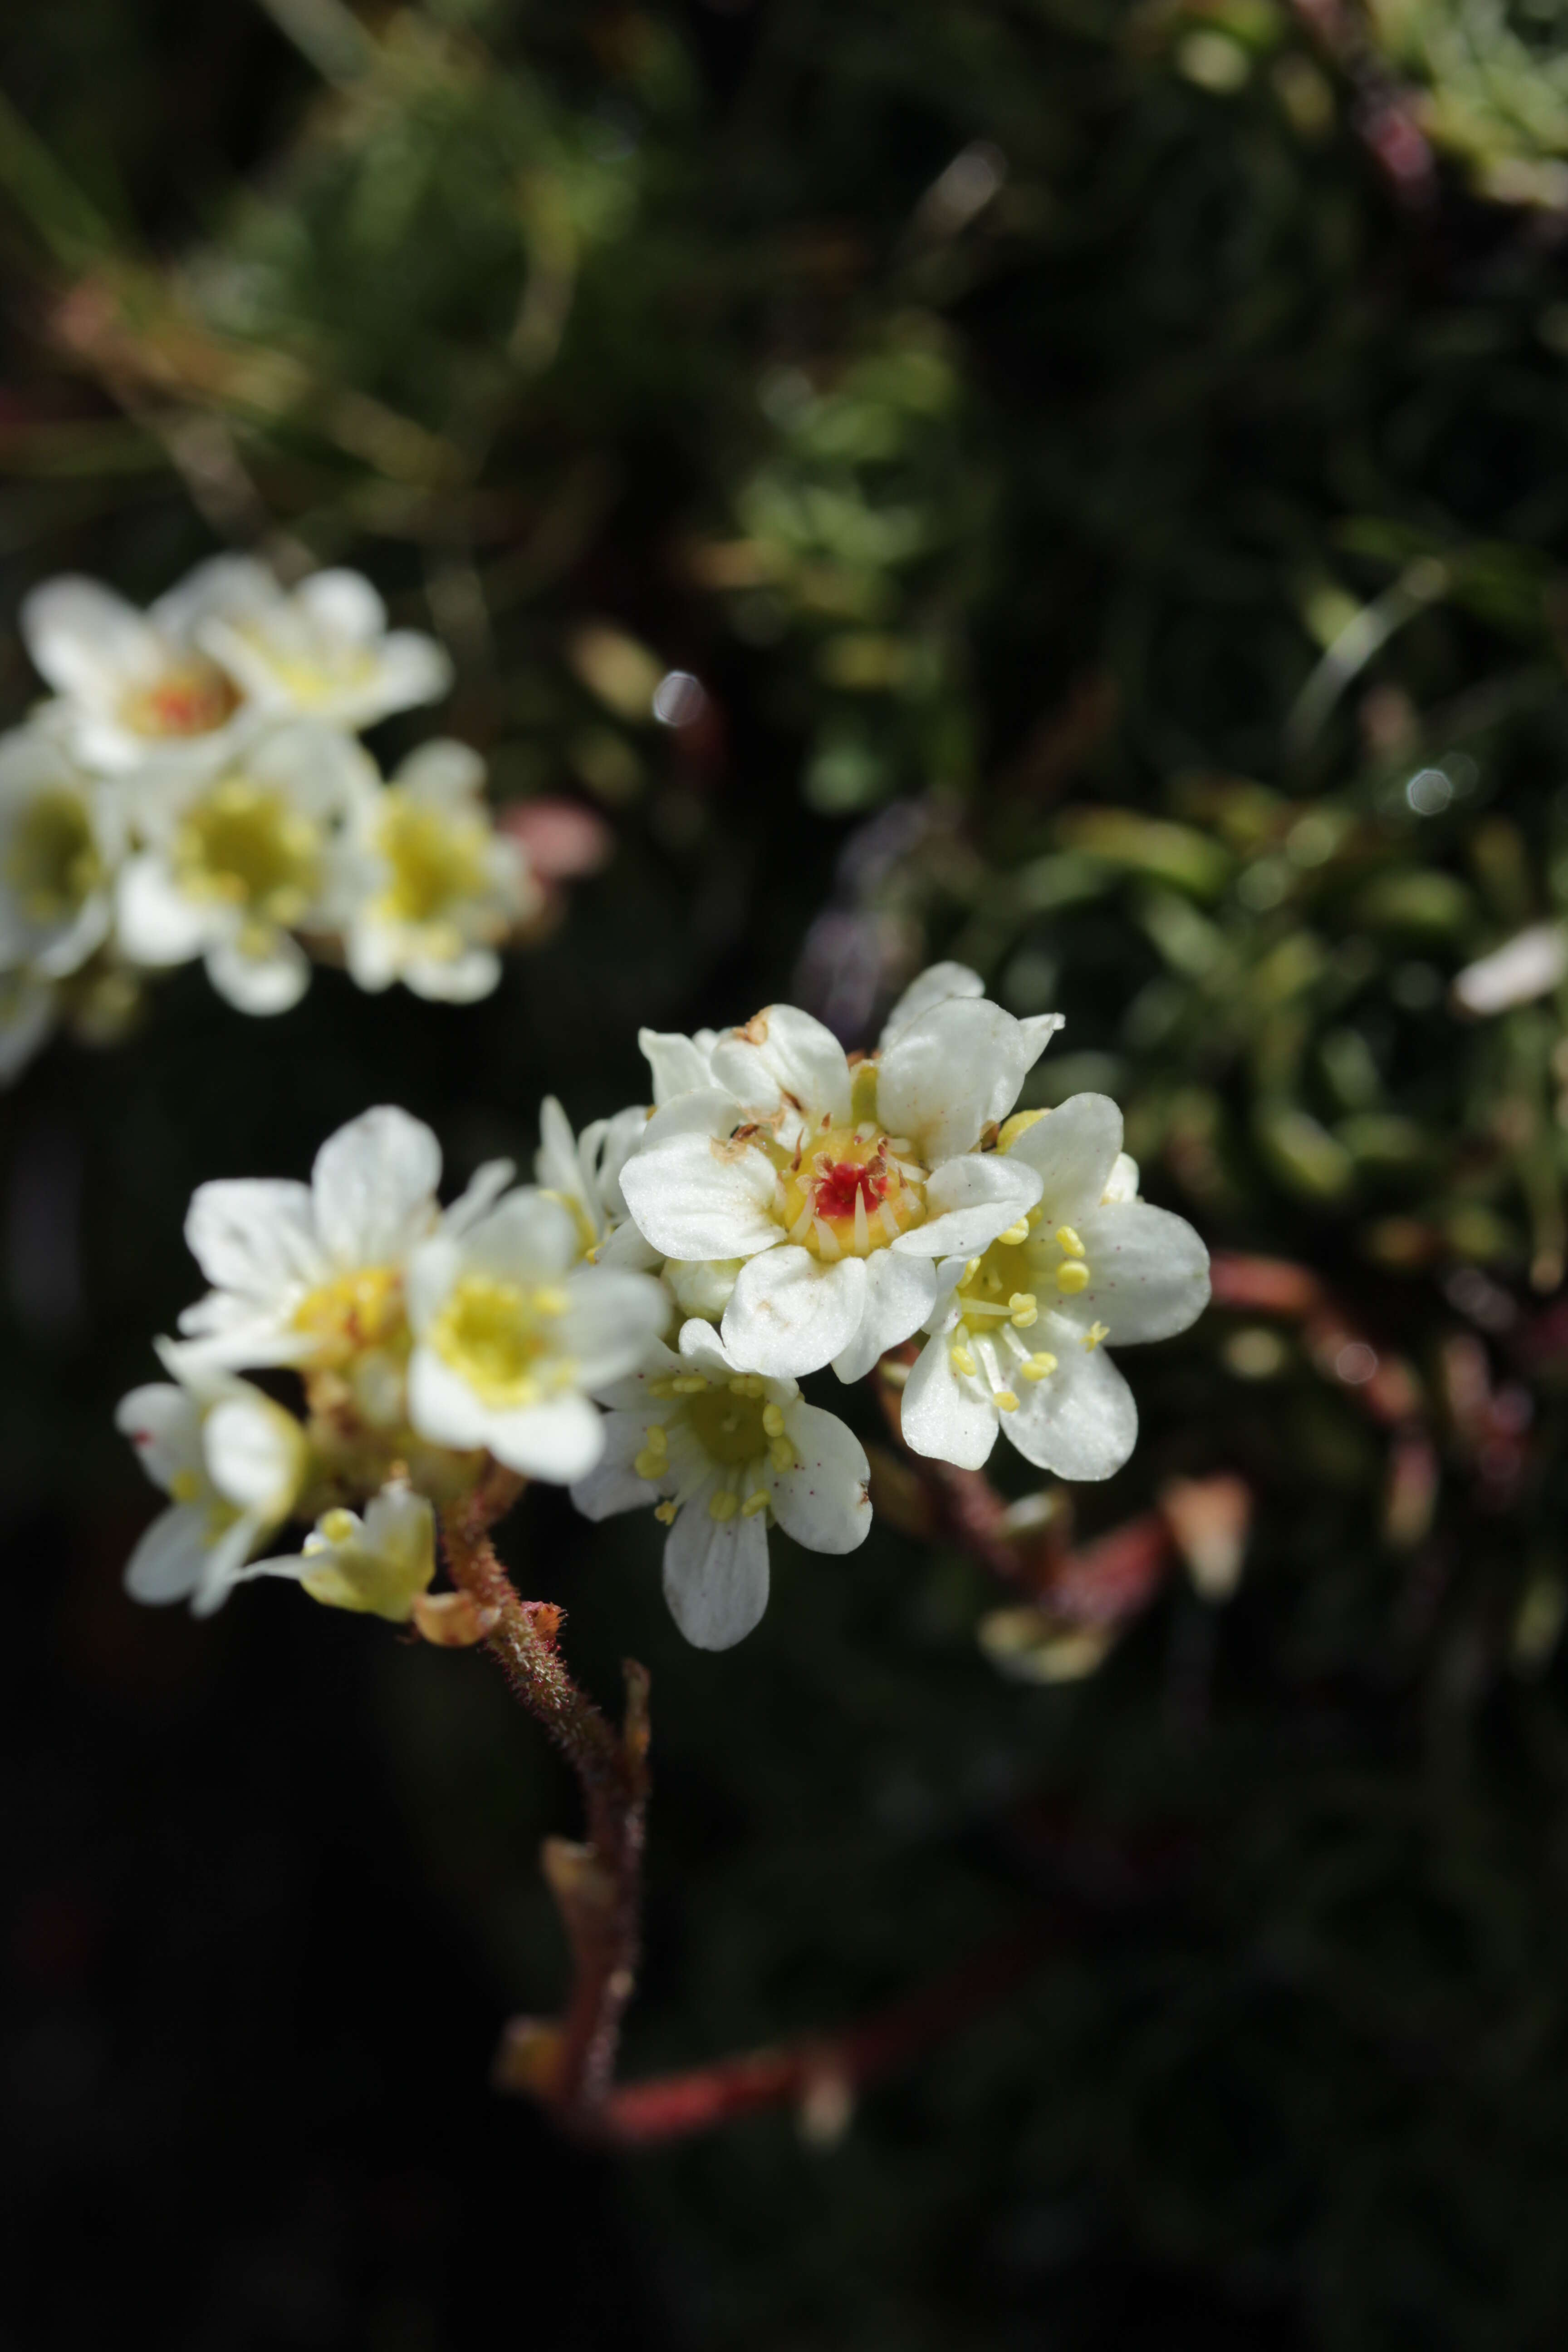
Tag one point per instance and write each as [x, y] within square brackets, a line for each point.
[755, 1502]
[724, 1505]
[651, 1463]
[436, 861]
[773, 1419]
[665, 1513]
[351, 1313]
[338, 1526]
[746, 1384]
[245, 845]
[1095, 1334]
[780, 1453]
[1024, 1308]
[54, 864]
[962, 1361]
[689, 1385]
[489, 1332]
[1069, 1241]
[1006, 1399]
[1015, 1234]
[1040, 1366]
[1072, 1275]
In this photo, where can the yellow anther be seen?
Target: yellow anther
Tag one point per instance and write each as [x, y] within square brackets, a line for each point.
[338, 1526]
[1095, 1334]
[960, 1360]
[754, 1503]
[661, 1388]
[780, 1453]
[657, 1436]
[1067, 1240]
[1007, 1400]
[724, 1505]
[972, 1269]
[651, 1463]
[689, 1385]
[746, 1384]
[1072, 1275]
[1016, 1236]
[773, 1420]
[665, 1513]
[863, 1091]
[1040, 1366]
[1020, 1122]
[1024, 1308]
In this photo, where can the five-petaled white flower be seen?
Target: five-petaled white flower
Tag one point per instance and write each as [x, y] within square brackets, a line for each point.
[239, 858]
[513, 1333]
[436, 886]
[1019, 1331]
[378, 1565]
[232, 1462]
[59, 835]
[322, 648]
[312, 1275]
[728, 1450]
[132, 684]
[838, 1188]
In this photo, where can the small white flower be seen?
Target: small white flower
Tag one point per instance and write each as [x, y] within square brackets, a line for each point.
[237, 859]
[1019, 1332]
[311, 1275]
[728, 1450]
[322, 648]
[58, 841]
[133, 684]
[839, 1189]
[583, 1174]
[232, 1462]
[436, 887]
[512, 1333]
[379, 1564]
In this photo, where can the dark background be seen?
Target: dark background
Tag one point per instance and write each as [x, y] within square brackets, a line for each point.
[1004, 508]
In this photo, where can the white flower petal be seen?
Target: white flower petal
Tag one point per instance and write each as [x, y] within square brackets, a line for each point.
[789, 1314]
[222, 1566]
[1079, 1423]
[950, 1073]
[255, 1455]
[971, 1200]
[824, 1502]
[1073, 1150]
[441, 1407]
[944, 1415]
[692, 1192]
[374, 1186]
[412, 669]
[164, 1424]
[783, 1055]
[715, 1575]
[615, 1485]
[526, 1237]
[88, 642]
[232, 585]
[343, 604]
[900, 1294]
[169, 1559]
[559, 1442]
[681, 1066]
[454, 980]
[1148, 1273]
[443, 771]
[611, 1320]
[269, 979]
[478, 1196]
[938, 984]
[254, 1236]
[158, 924]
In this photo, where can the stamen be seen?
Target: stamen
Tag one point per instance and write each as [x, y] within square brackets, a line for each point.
[1015, 1234]
[826, 1240]
[962, 1361]
[972, 1269]
[1024, 1308]
[1094, 1335]
[724, 1505]
[781, 1454]
[773, 1419]
[1072, 1275]
[652, 1463]
[754, 1503]
[1067, 1240]
[689, 1385]
[887, 1217]
[1040, 1366]
[803, 1224]
[665, 1513]
[1006, 1398]
[862, 1227]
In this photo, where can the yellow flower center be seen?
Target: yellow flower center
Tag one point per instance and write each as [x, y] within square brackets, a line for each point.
[249, 846]
[310, 666]
[1003, 1292]
[54, 864]
[351, 1313]
[191, 698]
[500, 1337]
[437, 860]
[727, 1423]
[848, 1190]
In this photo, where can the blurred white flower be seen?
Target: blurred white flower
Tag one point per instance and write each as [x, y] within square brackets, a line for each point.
[1531, 964]
[728, 1450]
[322, 648]
[311, 1275]
[583, 1174]
[839, 1189]
[378, 1565]
[235, 861]
[437, 888]
[513, 1332]
[59, 837]
[1019, 1332]
[132, 684]
[232, 1462]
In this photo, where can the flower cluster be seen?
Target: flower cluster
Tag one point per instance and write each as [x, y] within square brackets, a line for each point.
[196, 788]
[635, 1323]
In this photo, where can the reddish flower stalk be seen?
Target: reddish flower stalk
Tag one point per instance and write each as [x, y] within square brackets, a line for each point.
[569, 2064]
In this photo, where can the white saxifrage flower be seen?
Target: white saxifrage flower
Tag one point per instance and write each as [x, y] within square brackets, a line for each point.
[59, 837]
[1019, 1335]
[237, 859]
[436, 887]
[131, 684]
[312, 1275]
[512, 1334]
[232, 1462]
[583, 1174]
[378, 1565]
[839, 1189]
[728, 1450]
[322, 648]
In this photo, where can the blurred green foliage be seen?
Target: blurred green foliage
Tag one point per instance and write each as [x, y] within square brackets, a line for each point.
[1107, 467]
